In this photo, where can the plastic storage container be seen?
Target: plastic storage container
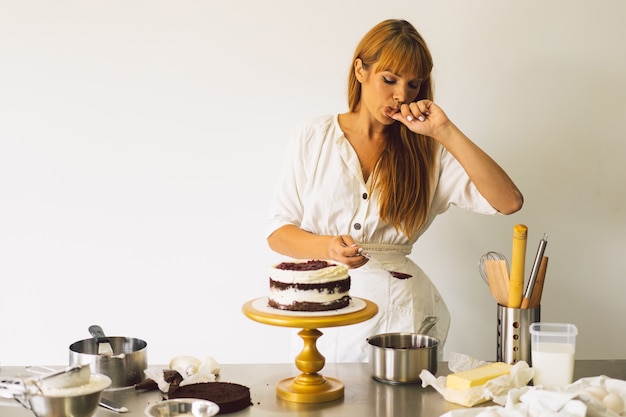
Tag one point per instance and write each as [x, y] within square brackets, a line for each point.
[553, 347]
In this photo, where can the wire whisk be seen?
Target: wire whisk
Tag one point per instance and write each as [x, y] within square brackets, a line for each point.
[490, 256]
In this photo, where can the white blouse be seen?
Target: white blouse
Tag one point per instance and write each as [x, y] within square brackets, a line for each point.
[321, 190]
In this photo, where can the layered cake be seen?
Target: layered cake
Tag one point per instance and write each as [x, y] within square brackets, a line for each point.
[309, 285]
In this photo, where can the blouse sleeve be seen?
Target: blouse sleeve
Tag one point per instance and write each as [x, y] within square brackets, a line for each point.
[456, 188]
[286, 206]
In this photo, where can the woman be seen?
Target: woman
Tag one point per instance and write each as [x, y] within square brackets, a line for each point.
[371, 181]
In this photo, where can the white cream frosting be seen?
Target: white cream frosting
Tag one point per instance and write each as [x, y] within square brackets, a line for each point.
[287, 297]
[332, 273]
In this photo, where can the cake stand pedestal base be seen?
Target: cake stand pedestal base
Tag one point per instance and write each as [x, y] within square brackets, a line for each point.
[292, 389]
[310, 386]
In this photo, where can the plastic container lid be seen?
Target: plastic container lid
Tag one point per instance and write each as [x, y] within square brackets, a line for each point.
[553, 332]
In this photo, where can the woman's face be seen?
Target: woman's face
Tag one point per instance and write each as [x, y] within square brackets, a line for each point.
[382, 92]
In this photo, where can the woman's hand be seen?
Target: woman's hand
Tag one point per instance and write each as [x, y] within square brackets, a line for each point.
[423, 117]
[343, 249]
[296, 243]
[426, 118]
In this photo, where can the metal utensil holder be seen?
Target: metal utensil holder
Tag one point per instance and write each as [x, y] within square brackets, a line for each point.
[513, 333]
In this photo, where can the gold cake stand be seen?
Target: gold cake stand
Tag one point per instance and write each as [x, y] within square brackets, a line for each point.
[309, 386]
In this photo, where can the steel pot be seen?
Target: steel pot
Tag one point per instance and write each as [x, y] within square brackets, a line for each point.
[398, 358]
[124, 364]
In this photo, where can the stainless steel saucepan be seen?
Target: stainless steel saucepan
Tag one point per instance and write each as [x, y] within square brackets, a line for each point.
[122, 359]
[398, 358]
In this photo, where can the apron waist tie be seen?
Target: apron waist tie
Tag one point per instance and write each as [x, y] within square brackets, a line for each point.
[387, 252]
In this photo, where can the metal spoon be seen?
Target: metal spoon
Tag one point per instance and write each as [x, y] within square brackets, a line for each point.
[109, 405]
[104, 345]
[50, 378]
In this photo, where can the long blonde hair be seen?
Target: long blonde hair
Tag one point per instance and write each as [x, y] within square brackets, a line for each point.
[404, 172]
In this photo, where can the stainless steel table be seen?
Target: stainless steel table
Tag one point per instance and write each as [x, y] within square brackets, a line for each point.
[363, 396]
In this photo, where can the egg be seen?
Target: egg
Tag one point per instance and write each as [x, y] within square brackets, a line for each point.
[614, 403]
[597, 392]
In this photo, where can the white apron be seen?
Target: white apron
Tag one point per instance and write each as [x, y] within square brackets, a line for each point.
[403, 304]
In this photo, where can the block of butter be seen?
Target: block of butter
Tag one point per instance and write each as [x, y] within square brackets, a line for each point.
[478, 376]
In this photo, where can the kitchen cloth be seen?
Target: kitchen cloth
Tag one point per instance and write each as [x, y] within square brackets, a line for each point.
[207, 372]
[583, 398]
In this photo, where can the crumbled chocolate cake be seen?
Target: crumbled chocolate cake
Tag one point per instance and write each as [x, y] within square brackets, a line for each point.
[312, 265]
[171, 376]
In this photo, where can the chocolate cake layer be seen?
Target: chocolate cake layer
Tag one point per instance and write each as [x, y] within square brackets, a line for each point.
[228, 396]
[330, 288]
[306, 306]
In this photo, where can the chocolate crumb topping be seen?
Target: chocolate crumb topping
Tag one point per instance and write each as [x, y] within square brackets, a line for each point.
[311, 265]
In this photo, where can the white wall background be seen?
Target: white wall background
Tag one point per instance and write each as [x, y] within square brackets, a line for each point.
[140, 141]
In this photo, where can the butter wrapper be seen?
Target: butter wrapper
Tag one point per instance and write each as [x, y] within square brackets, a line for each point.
[495, 390]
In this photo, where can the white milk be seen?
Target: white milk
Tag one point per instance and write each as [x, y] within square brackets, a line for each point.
[553, 364]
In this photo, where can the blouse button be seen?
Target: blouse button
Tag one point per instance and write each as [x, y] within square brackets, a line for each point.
[357, 226]
[364, 196]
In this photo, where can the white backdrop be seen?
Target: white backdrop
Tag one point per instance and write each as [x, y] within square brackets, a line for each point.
[140, 142]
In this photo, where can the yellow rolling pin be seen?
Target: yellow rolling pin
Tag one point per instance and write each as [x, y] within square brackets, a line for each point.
[518, 259]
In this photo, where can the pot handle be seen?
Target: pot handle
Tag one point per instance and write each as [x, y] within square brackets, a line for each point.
[427, 324]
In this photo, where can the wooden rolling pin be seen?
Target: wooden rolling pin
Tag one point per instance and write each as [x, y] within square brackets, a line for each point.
[518, 259]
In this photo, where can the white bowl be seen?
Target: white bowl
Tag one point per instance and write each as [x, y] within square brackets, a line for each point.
[183, 407]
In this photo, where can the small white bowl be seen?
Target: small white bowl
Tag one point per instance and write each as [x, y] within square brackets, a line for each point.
[183, 407]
